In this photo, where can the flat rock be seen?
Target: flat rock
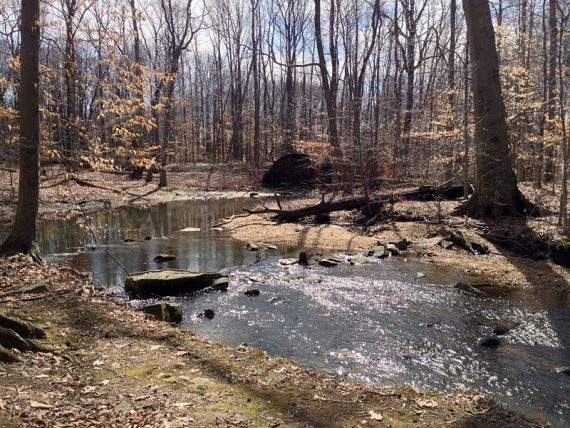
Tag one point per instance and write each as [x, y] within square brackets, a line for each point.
[168, 282]
[287, 262]
[163, 258]
[359, 260]
[563, 370]
[164, 312]
[191, 229]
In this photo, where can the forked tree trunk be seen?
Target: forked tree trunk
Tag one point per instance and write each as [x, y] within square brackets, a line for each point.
[496, 192]
[23, 235]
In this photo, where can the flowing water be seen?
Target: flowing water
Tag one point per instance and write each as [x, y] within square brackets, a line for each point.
[375, 323]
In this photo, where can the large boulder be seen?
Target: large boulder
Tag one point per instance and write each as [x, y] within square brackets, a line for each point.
[168, 282]
[293, 169]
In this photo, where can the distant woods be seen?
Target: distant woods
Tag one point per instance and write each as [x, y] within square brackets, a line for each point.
[383, 85]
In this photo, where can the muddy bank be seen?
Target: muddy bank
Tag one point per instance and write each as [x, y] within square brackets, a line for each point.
[112, 367]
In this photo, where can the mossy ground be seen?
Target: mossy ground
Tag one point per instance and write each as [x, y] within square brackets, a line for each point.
[111, 367]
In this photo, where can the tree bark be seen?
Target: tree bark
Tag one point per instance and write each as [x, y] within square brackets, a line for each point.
[496, 192]
[23, 235]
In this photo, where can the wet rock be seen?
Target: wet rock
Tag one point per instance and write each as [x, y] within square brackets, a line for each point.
[565, 370]
[253, 195]
[293, 169]
[88, 248]
[308, 259]
[287, 262]
[191, 229]
[489, 342]
[402, 245]
[276, 300]
[208, 314]
[168, 282]
[252, 247]
[163, 258]
[420, 275]
[128, 240]
[328, 263]
[502, 329]
[148, 238]
[221, 284]
[164, 312]
[469, 289]
[252, 293]
[379, 251]
[446, 244]
[393, 249]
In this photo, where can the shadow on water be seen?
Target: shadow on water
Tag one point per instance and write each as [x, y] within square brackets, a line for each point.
[550, 293]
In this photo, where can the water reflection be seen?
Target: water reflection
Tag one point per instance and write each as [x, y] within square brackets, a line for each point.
[69, 241]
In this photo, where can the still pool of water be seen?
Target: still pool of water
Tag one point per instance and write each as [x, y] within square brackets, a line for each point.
[374, 323]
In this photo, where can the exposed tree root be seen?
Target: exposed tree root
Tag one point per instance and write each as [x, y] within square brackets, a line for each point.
[18, 334]
[519, 206]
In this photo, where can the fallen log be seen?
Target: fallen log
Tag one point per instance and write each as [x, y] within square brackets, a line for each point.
[432, 193]
[313, 210]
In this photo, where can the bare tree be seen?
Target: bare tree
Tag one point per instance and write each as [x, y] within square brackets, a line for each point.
[23, 235]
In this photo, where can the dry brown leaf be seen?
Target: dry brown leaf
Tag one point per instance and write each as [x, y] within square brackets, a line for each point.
[375, 416]
[429, 404]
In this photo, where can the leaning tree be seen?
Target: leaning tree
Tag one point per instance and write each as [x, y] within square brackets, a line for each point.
[23, 235]
[496, 192]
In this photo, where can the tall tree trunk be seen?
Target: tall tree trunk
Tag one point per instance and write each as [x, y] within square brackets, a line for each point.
[496, 193]
[23, 235]
[451, 89]
[551, 79]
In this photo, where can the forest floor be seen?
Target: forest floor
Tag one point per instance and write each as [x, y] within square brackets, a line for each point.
[112, 367]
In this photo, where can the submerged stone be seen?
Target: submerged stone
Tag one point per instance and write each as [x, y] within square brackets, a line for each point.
[469, 289]
[168, 282]
[162, 258]
[252, 293]
[489, 342]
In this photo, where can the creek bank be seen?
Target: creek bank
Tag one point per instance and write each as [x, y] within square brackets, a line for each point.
[169, 376]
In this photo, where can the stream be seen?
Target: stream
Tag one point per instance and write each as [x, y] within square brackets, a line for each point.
[376, 323]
